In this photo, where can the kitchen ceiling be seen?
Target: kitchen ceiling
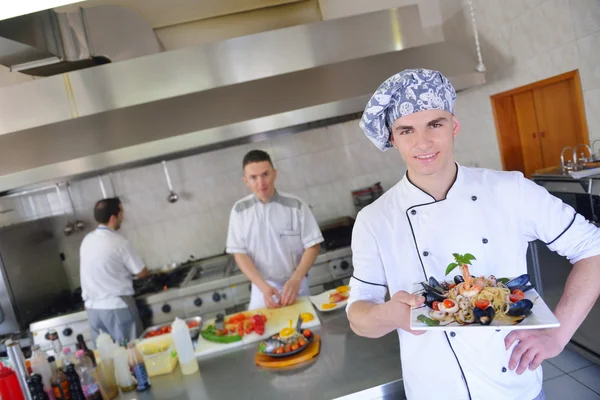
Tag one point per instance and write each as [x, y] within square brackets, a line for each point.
[161, 13]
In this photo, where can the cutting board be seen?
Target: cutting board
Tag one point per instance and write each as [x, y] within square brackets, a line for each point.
[270, 362]
[277, 318]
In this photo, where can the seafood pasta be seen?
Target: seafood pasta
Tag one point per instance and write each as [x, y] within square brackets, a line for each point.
[470, 299]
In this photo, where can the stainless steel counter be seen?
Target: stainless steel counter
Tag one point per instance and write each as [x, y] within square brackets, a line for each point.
[348, 366]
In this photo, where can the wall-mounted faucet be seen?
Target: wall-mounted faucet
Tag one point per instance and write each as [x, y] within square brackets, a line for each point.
[571, 165]
[582, 161]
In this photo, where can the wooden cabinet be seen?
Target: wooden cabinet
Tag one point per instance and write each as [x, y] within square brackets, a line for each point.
[536, 122]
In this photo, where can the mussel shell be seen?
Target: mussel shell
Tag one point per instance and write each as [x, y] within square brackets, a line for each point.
[430, 297]
[430, 289]
[520, 308]
[458, 279]
[484, 317]
[520, 282]
[435, 284]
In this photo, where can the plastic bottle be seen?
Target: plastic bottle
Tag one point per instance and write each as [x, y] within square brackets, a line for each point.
[74, 383]
[185, 349]
[10, 388]
[89, 353]
[138, 367]
[41, 366]
[58, 380]
[122, 371]
[85, 370]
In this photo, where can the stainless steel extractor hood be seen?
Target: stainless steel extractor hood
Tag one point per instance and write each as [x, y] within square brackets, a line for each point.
[47, 43]
[194, 99]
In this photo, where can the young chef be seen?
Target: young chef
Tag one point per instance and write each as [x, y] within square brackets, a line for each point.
[108, 264]
[273, 237]
[440, 208]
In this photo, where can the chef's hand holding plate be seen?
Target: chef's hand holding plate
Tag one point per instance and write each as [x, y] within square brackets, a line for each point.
[400, 304]
[270, 294]
[534, 347]
[290, 291]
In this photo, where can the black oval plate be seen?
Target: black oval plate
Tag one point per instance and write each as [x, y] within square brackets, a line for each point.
[291, 353]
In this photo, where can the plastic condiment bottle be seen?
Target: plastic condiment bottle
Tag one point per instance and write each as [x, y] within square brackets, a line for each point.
[185, 349]
[10, 388]
[41, 366]
[122, 371]
[85, 370]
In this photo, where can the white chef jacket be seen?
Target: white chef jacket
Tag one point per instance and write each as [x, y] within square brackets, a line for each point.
[274, 235]
[108, 263]
[406, 236]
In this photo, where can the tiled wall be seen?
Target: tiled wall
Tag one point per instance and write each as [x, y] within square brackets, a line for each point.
[522, 41]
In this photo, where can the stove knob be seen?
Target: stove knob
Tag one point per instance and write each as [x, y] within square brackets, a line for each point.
[216, 297]
[166, 308]
[344, 265]
[224, 296]
[67, 332]
[198, 302]
[47, 335]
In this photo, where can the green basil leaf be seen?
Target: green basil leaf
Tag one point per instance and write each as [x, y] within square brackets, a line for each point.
[469, 257]
[502, 280]
[428, 321]
[450, 267]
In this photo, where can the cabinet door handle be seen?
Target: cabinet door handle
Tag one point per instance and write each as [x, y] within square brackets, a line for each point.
[543, 134]
[534, 135]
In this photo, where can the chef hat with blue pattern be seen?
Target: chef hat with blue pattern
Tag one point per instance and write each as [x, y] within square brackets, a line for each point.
[407, 92]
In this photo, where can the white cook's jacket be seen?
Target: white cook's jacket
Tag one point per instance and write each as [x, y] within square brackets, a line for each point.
[406, 236]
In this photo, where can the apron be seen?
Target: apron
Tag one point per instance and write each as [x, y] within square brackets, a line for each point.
[137, 327]
[257, 299]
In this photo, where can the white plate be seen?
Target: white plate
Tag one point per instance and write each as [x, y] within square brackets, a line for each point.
[541, 317]
[323, 298]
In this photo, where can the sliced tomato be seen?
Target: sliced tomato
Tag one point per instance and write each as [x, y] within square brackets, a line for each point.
[516, 295]
[448, 303]
[451, 286]
[436, 305]
[482, 303]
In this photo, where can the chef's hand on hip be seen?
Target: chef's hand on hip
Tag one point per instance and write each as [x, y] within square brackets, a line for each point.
[399, 307]
[290, 291]
[268, 293]
[534, 347]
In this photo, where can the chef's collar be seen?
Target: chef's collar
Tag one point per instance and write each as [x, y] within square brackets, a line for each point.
[414, 195]
[275, 196]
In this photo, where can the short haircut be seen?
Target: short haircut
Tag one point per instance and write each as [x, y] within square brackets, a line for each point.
[106, 208]
[254, 156]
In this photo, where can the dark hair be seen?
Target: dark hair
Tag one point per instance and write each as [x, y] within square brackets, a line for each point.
[106, 208]
[254, 156]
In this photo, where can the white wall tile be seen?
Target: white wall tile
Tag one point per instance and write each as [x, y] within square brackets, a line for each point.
[301, 143]
[592, 111]
[586, 16]
[590, 61]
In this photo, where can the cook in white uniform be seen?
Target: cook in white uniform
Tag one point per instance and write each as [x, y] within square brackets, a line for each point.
[108, 264]
[273, 237]
[440, 208]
